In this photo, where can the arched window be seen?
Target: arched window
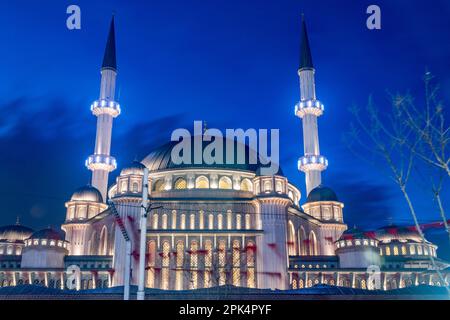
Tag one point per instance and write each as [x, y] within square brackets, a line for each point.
[159, 185]
[151, 262]
[302, 242]
[292, 245]
[425, 250]
[225, 183]
[180, 184]
[267, 186]
[9, 250]
[165, 265]
[123, 186]
[279, 187]
[251, 248]
[219, 221]
[155, 221]
[211, 221]
[174, 219]
[300, 284]
[246, 185]
[248, 221]
[135, 187]
[229, 219]
[404, 250]
[164, 221]
[194, 264]
[179, 263]
[238, 221]
[183, 222]
[412, 249]
[222, 263]
[236, 263]
[313, 250]
[103, 245]
[202, 182]
[388, 251]
[419, 250]
[395, 251]
[208, 264]
[192, 221]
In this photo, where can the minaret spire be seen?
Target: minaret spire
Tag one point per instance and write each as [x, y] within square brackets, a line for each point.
[306, 61]
[109, 58]
[309, 109]
[105, 108]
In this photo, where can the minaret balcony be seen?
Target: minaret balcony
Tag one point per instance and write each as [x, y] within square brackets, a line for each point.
[101, 162]
[314, 107]
[312, 162]
[104, 106]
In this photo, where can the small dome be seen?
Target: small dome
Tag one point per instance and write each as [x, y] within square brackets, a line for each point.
[356, 233]
[134, 168]
[48, 233]
[393, 232]
[13, 233]
[321, 193]
[87, 193]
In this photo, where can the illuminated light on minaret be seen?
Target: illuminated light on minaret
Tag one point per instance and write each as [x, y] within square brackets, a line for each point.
[309, 109]
[101, 163]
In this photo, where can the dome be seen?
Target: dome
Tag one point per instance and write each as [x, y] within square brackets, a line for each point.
[393, 232]
[87, 193]
[134, 168]
[49, 234]
[160, 159]
[321, 193]
[13, 233]
[356, 233]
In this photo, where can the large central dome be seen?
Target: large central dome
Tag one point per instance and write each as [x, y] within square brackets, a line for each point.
[160, 159]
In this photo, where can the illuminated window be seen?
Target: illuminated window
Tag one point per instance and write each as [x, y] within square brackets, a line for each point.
[404, 250]
[313, 250]
[302, 245]
[201, 215]
[202, 182]
[363, 284]
[236, 257]
[211, 221]
[225, 183]
[179, 263]
[229, 219]
[151, 264]
[208, 264]
[294, 284]
[194, 264]
[388, 251]
[300, 284]
[219, 221]
[159, 185]
[238, 221]
[123, 186]
[251, 248]
[247, 221]
[183, 222]
[155, 221]
[180, 184]
[246, 185]
[425, 250]
[164, 221]
[279, 187]
[165, 265]
[395, 251]
[103, 245]
[419, 250]
[267, 186]
[174, 219]
[192, 221]
[222, 261]
[292, 245]
[412, 249]
[134, 187]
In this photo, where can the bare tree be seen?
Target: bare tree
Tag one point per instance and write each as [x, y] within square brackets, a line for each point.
[400, 137]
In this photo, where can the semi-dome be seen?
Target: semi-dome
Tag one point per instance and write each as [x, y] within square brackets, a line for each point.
[160, 159]
[48, 233]
[321, 193]
[393, 232]
[13, 233]
[87, 193]
[134, 168]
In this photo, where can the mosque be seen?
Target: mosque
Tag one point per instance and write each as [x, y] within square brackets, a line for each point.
[213, 224]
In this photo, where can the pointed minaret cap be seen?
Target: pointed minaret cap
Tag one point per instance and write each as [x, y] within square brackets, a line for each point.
[109, 59]
[305, 51]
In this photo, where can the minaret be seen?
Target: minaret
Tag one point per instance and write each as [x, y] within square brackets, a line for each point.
[309, 109]
[105, 108]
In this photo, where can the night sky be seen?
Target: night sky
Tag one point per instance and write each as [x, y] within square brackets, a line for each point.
[232, 64]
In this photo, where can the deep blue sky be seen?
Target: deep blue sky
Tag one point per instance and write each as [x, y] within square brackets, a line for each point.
[231, 63]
